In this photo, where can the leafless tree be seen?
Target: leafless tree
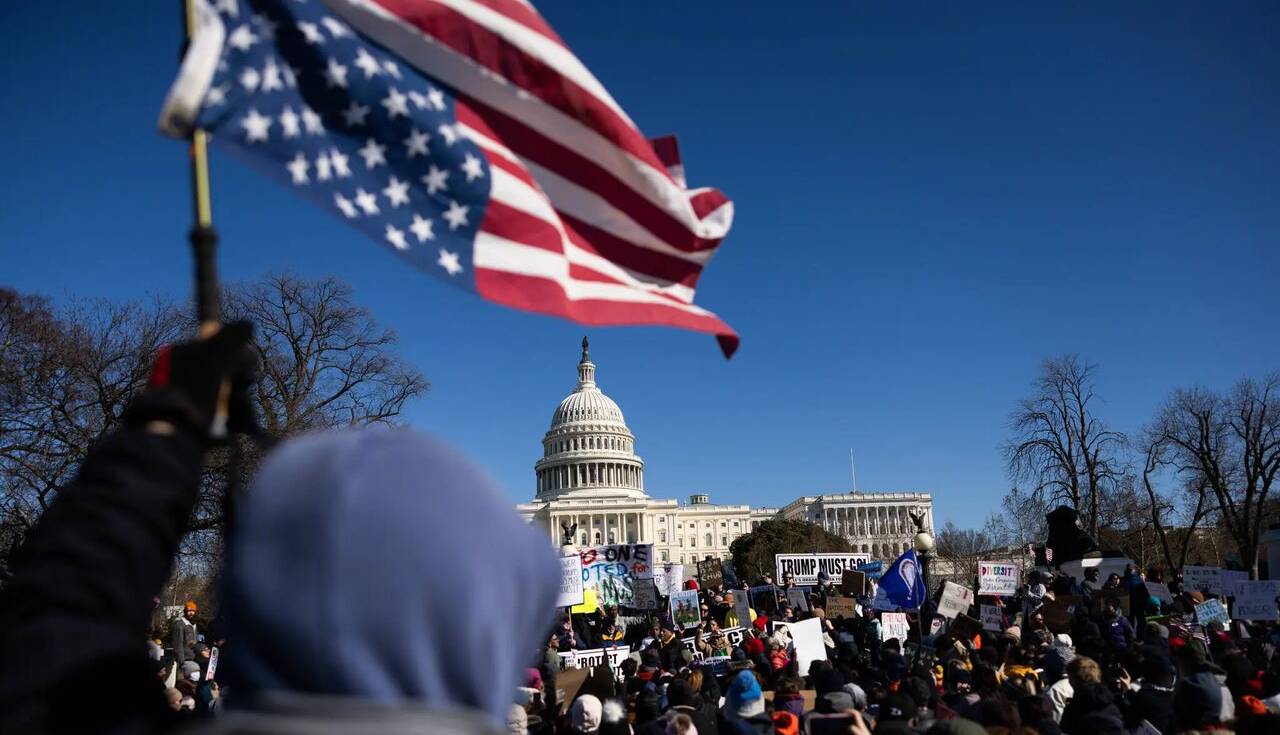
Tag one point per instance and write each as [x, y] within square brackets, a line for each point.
[1059, 445]
[1227, 446]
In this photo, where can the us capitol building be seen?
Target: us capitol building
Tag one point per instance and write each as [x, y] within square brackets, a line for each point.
[590, 475]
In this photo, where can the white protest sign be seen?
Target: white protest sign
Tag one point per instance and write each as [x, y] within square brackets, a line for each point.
[1229, 577]
[1203, 579]
[1160, 591]
[998, 579]
[1255, 600]
[734, 636]
[646, 596]
[613, 569]
[807, 637]
[992, 619]
[956, 599]
[213, 664]
[805, 567]
[1211, 610]
[668, 578]
[685, 611]
[894, 625]
[570, 582]
[592, 658]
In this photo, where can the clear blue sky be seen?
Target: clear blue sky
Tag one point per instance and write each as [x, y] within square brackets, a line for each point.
[929, 201]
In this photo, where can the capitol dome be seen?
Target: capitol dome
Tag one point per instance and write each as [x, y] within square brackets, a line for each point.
[589, 452]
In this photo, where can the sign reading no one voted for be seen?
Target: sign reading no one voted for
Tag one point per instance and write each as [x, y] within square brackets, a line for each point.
[612, 570]
[998, 579]
[805, 567]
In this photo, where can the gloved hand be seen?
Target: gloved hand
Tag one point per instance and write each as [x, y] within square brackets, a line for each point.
[201, 386]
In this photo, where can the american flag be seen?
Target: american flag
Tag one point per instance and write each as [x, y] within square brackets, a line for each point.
[464, 136]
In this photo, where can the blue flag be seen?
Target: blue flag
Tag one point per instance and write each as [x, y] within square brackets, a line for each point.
[902, 586]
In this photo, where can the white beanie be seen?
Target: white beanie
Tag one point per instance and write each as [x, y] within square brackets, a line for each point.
[517, 720]
[585, 713]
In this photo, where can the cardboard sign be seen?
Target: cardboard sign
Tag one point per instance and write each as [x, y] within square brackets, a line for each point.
[841, 607]
[1160, 591]
[685, 612]
[1211, 610]
[1060, 613]
[894, 625]
[853, 582]
[710, 573]
[668, 578]
[568, 683]
[805, 567]
[613, 569]
[1255, 600]
[213, 664]
[992, 618]
[998, 579]
[1119, 596]
[798, 599]
[956, 599]
[807, 638]
[646, 595]
[1202, 579]
[570, 582]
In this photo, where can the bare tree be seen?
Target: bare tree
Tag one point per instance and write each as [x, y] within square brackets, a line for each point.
[1228, 447]
[1059, 445]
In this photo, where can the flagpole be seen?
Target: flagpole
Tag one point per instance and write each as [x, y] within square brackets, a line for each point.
[203, 237]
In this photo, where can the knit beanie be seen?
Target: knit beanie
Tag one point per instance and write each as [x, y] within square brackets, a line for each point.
[744, 698]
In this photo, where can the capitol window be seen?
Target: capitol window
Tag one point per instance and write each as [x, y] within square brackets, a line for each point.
[736, 524]
[693, 541]
[724, 524]
[662, 537]
[709, 541]
[724, 540]
[662, 519]
[664, 556]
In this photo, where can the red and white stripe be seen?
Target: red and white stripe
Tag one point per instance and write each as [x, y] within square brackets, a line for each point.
[588, 219]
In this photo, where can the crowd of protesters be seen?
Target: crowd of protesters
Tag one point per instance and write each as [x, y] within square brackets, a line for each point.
[357, 598]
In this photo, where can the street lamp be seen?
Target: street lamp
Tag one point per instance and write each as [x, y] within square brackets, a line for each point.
[924, 548]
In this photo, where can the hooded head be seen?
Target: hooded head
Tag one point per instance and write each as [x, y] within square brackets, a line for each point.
[1197, 700]
[744, 698]
[585, 713]
[356, 569]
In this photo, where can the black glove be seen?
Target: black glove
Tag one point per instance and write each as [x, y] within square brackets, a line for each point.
[201, 386]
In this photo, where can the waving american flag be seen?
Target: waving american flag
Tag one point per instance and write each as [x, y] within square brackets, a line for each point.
[464, 136]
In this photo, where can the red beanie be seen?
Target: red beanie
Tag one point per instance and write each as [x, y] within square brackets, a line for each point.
[753, 646]
[691, 584]
[760, 622]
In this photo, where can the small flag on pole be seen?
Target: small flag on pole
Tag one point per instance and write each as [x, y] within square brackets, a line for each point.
[464, 136]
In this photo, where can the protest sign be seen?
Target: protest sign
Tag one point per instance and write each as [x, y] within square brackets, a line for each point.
[1228, 578]
[612, 570]
[853, 582]
[1160, 591]
[807, 638]
[710, 574]
[936, 626]
[956, 599]
[1203, 579]
[646, 595]
[1119, 596]
[1255, 600]
[894, 625]
[765, 599]
[591, 658]
[805, 567]
[964, 628]
[841, 607]
[668, 578]
[1059, 613]
[998, 579]
[212, 668]
[568, 682]
[570, 582]
[798, 599]
[734, 636]
[590, 603]
[685, 612]
[992, 618]
[1211, 610]
[873, 569]
[742, 608]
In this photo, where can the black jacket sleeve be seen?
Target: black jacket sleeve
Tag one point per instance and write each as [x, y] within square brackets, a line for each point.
[74, 616]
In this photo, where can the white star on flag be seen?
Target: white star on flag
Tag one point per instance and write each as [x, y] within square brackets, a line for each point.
[416, 143]
[348, 209]
[368, 202]
[456, 214]
[367, 64]
[396, 103]
[242, 38]
[271, 80]
[298, 168]
[472, 168]
[311, 121]
[265, 24]
[289, 121]
[339, 161]
[397, 192]
[324, 169]
[450, 134]
[216, 95]
[336, 28]
[391, 68]
[418, 99]
[372, 152]
[312, 32]
[436, 97]
[421, 228]
[396, 237]
[449, 261]
[249, 79]
[435, 180]
[335, 74]
[354, 114]
[256, 126]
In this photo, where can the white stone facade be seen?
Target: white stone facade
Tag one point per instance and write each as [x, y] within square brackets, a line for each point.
[590, 475]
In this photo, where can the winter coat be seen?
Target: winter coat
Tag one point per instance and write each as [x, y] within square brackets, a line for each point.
[1154, 704]
[183, 640]
[1119, 632]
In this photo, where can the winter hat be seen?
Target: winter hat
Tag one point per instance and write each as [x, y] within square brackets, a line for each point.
[1154, 630]
[1064, 640]
[785, 723]
[898, 707]
[191, 605]
[680, 694]
[760, 622]
[1197, 700]
[585, 713]
[857, 694]
[744, 698]
[691, 584]
[517, 720]
[834, 702]
[613, 718]
[189, 668]
[533, 678]
[753, 647]
[956, 726]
